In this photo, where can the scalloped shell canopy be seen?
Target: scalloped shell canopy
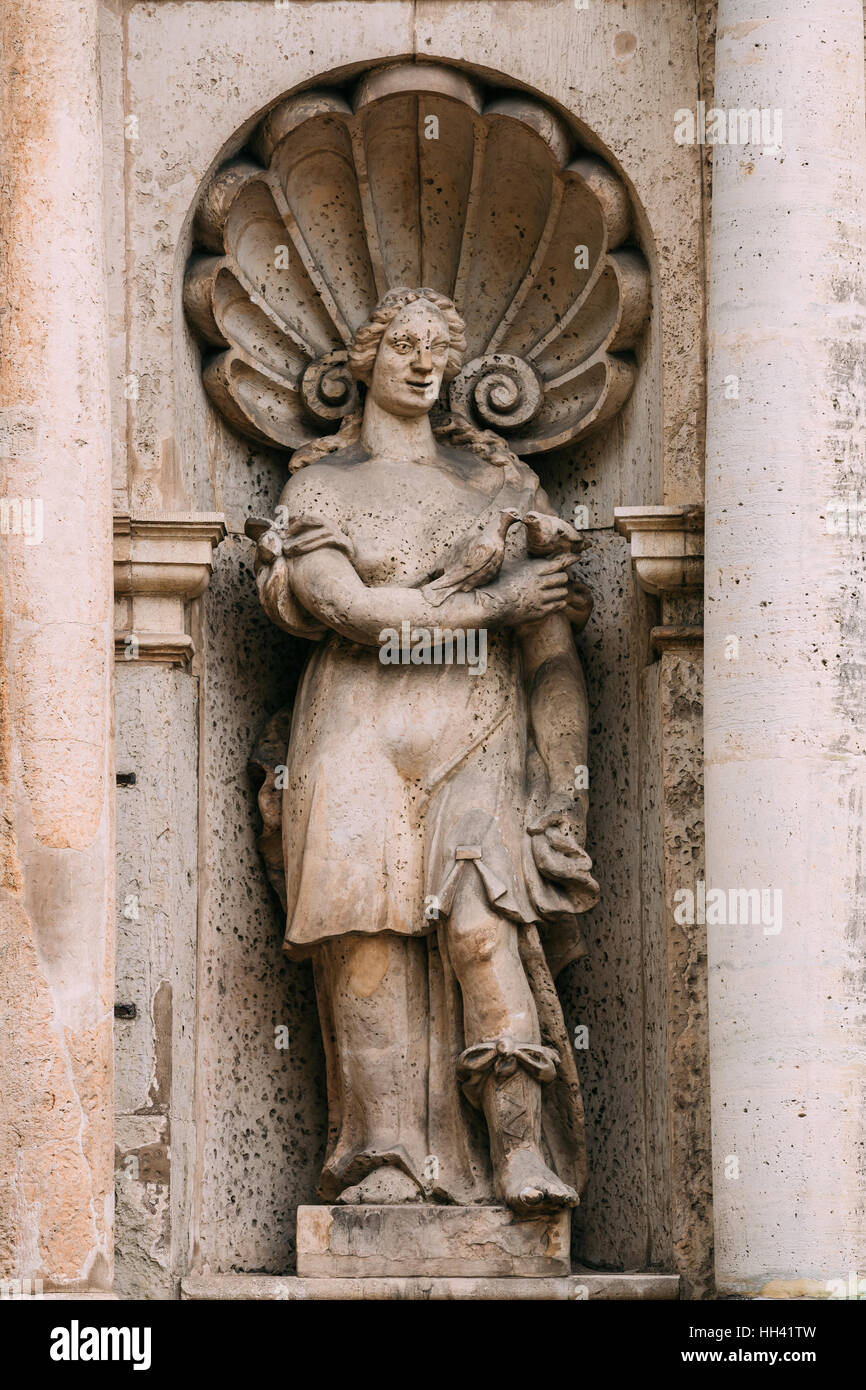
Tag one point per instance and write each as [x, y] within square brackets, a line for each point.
[419, 179]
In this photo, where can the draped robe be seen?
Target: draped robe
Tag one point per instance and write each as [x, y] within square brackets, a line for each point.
[400, 778]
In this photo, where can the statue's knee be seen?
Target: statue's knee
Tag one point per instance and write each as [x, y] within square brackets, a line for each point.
[474, 941]
[366, 962]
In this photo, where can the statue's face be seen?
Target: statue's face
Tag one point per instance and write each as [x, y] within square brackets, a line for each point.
[411, 360]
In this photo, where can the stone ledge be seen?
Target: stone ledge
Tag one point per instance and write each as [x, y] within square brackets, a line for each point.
[684, 640]
[574, 1288]
[101, 1297]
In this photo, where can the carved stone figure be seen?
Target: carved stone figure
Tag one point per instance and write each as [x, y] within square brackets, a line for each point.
[429, 820]
[428, 842]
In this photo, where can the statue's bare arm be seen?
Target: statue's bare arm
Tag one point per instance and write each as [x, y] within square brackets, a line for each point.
[559, 715]
[328, 586]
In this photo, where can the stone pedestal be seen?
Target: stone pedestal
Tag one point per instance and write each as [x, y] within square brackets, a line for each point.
[439, 1242]
[431, 1254]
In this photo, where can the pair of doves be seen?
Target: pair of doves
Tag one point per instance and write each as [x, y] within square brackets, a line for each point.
[479, 554]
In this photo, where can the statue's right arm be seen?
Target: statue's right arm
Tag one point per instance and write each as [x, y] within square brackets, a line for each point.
[329, 587]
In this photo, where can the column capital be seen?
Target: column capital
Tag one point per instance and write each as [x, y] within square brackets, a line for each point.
[667, 546]
[667, 555]
[161, 562]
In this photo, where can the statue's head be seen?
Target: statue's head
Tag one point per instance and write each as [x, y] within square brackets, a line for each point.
[412, 342]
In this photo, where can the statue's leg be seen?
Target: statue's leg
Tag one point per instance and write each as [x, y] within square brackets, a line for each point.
[504, 1065]
[377, 1003]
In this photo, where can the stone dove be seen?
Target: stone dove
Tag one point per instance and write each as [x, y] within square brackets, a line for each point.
[479, 560]
[550, 535]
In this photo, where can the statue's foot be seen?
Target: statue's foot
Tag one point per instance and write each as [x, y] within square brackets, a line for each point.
[530, 1188]
[386, 1186]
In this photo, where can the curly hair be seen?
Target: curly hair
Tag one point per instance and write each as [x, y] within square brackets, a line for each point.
[451, 428]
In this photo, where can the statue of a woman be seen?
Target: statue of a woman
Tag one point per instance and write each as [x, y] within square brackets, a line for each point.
[431, 833]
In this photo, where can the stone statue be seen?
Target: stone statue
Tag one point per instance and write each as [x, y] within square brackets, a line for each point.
[429, 840]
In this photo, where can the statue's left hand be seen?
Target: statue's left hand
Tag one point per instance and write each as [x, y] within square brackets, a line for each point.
[271, 582]
[269, 548]
[558, 837]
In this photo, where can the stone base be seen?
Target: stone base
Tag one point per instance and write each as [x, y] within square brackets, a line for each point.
[413, 1241]
[574, 1288]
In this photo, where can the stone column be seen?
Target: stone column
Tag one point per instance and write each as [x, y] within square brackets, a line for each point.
[56, 776]
[785, 603]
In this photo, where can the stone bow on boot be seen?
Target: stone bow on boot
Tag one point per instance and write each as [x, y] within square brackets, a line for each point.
[504, 1078]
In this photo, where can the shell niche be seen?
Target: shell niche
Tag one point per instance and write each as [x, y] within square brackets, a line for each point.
[417, 177]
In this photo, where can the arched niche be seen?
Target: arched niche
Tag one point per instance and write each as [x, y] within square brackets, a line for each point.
[411, 173]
